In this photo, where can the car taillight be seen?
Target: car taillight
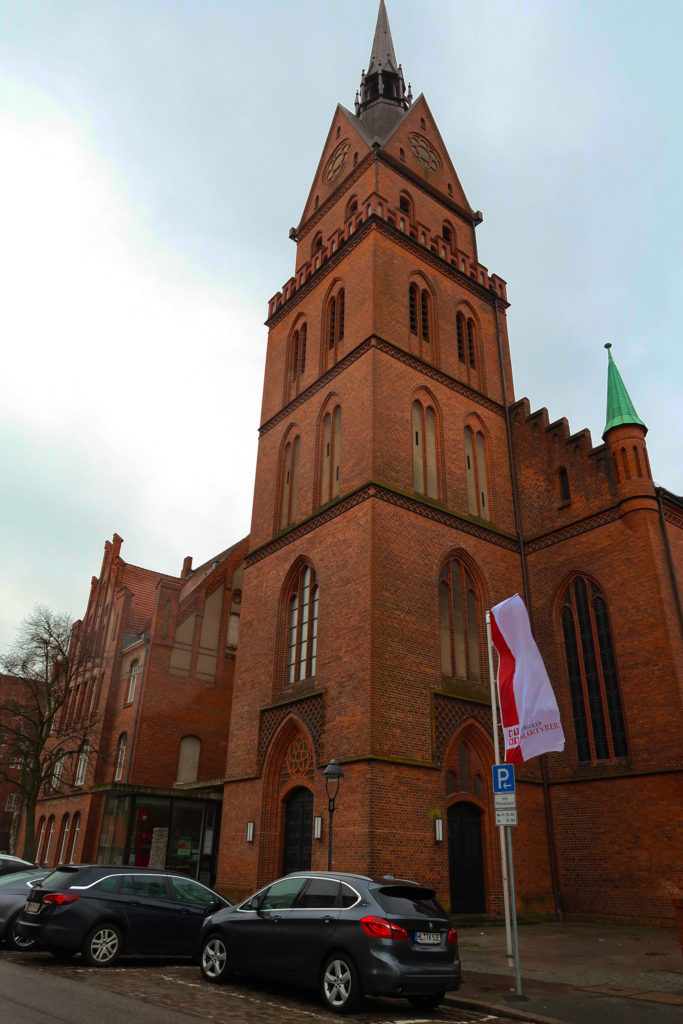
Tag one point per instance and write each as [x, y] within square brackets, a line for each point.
[452, 935]
[380, 928]
[59, 898]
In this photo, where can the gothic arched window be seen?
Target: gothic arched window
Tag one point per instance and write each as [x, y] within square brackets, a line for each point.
[335, 325]
[420, 313]
[297, 360]
[289, 483]
[458, 624]
[425, 476]
[330, 455]
[593, 682]
[475, 474]
[302, 636]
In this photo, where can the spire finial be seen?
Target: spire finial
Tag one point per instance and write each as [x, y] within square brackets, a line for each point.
[383, 97]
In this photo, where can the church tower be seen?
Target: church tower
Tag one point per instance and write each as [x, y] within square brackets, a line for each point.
[383, 522]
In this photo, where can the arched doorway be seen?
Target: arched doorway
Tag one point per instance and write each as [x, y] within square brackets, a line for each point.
[465, 859]
[298, 831]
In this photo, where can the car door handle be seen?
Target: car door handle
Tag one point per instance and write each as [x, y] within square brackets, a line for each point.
[327, 920]
[276, 918]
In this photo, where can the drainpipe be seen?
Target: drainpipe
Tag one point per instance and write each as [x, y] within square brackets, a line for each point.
[525, 584]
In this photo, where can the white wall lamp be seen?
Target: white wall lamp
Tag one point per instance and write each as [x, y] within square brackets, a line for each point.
[317, 827]
[438, 830]
[250, 831]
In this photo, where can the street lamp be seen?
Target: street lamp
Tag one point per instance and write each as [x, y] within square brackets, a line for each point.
[332, 776]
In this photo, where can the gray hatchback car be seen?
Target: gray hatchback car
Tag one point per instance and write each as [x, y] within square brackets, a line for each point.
[349, 935]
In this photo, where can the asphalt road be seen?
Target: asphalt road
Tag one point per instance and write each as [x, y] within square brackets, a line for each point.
[35, 989]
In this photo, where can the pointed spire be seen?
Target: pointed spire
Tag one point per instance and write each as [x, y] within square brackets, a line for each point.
[382, 57]
[620, 408]
[383, 99]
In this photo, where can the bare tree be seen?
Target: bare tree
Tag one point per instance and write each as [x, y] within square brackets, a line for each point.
[45, 728]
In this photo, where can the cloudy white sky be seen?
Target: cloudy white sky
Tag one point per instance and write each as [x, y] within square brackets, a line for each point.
[153, 156]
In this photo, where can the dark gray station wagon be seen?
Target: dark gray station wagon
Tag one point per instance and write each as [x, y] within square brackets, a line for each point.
[349, 935]
[102, 911]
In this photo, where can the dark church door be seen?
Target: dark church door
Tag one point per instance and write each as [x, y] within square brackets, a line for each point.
[298, 829]
[465, 860]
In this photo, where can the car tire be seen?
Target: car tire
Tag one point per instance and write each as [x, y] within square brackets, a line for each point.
[427, 1002]
[213, 959]
[340, 984]
[103, 945]
[15, 941]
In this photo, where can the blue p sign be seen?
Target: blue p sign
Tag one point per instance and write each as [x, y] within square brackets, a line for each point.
[503, 778]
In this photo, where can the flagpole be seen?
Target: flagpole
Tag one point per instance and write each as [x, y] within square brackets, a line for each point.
[501, 828]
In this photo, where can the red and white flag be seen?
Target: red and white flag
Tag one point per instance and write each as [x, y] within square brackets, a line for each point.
[531, 718]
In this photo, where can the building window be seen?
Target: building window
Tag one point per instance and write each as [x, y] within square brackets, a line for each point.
[425, 477]
[297, 358]
[475, 472]
[134, 669]
[458, 624]
[466, 333]
[591, 667]
[563, 484]
[404, 205]
[234, 619]
[302, 642]
[74, 836]
[331, 455]
[63, 841]
[48, 841]
[351, 208]
[57, 771]
[12, 802]
[120, 757]
[290, 475]
[335, 324]
[82, 764]
[39, 838]
[420, 313]
[188, 759]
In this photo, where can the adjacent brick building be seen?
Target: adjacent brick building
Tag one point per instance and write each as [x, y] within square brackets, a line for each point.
[401, 491]
[158, 689]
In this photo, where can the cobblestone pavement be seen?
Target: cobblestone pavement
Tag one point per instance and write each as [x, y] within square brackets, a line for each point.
[178, 985]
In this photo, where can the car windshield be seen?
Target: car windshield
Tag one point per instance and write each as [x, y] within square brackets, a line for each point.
[408, 900]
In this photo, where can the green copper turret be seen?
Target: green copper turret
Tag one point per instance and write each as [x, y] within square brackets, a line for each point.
[620, 409]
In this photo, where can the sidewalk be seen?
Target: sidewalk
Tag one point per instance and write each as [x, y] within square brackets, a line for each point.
[575, 972]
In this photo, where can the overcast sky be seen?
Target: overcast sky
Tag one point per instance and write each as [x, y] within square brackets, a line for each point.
[153, 156]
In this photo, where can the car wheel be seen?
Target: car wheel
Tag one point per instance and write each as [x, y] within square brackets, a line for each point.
[427, 1002]
[213, 959]
[102, 946]
[16, 941]
[340, 985]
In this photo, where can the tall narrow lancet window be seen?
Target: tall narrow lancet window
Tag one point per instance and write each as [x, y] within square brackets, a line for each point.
[475, 474]
[458, 624]
[290, 473]
[591, 667]
[302, 643]
[460, 332]
[335, 325]
[120, 757]
[331, 455]
[420, 316]
[297, 360]
[425, 476]
[471, 344]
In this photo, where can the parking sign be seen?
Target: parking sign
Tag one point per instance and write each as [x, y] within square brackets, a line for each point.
[503, 778]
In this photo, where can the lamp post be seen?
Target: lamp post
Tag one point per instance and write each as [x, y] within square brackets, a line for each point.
[333, 776]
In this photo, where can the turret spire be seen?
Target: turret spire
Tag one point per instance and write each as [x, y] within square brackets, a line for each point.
[382, 98]
[620, 408]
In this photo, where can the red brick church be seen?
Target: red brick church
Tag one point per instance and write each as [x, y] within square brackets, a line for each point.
[401, 491]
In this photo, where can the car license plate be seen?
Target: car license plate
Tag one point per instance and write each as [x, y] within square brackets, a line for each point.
[32, 907]
[428, 938]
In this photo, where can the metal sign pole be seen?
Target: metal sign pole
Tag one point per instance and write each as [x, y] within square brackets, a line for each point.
[501, 829]
[518, 976]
